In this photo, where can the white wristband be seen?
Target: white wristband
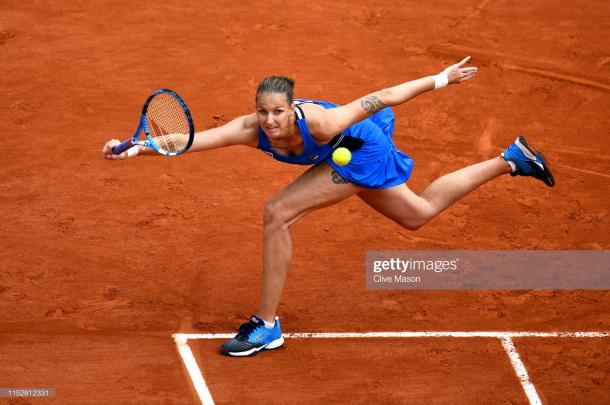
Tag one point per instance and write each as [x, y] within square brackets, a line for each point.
[133, 151]
[441, 80]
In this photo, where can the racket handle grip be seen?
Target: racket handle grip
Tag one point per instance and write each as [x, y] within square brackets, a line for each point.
[122, 147]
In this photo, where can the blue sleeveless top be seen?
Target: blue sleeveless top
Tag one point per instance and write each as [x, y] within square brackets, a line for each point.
[377, 164]
[313, 152]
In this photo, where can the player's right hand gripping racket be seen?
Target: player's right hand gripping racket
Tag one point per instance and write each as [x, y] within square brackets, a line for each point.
[168, 125]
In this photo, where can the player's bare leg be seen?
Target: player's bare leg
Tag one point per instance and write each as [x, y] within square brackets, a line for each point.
[316, 188]
[412, 211]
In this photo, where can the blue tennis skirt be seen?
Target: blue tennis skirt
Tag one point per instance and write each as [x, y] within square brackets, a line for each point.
[378, 164]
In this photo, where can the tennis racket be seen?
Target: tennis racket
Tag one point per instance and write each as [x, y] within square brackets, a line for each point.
[167, 123]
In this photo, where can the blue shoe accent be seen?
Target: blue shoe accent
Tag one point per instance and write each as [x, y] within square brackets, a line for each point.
[529, 161]
[253, 336]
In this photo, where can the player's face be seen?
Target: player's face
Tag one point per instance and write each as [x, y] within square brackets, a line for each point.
[274, 115]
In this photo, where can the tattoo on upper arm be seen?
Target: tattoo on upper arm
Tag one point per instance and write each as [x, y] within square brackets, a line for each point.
[372, 104]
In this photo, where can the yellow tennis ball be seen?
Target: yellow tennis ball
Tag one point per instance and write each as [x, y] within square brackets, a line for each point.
[342, 156]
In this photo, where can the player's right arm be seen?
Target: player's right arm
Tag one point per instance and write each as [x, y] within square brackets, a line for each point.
[239, 131]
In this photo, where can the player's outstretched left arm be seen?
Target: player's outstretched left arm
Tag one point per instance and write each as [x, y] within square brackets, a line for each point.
[334, 121]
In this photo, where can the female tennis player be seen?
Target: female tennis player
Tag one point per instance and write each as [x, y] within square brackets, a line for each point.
[305, 132]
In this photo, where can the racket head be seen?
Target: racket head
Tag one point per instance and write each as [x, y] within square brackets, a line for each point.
[168, 123]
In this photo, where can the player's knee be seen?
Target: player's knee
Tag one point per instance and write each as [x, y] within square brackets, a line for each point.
[418, 219]
[413, 224]
[275, 214]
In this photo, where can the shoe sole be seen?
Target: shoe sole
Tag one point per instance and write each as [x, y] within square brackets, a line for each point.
[532, 154]
[270, 346]
[547, 169]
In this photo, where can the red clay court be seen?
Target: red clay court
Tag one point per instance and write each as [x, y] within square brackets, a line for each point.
[112, 272]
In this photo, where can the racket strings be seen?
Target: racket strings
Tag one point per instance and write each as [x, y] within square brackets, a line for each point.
[167, 123]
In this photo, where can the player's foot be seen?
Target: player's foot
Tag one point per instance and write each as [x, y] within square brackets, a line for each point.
[253, 336]
[529, 162]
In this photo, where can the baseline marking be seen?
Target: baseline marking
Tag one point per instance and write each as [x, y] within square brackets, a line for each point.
[344, 335]
[205, 397]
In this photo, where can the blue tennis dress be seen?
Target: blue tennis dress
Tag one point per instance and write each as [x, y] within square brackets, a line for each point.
[377, 164]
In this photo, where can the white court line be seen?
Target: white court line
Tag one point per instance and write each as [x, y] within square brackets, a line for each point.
[193, 369]
[515, 360]
[344, 335]
[181, 340]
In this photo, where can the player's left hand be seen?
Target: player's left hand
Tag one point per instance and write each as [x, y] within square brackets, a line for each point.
[457, 74]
